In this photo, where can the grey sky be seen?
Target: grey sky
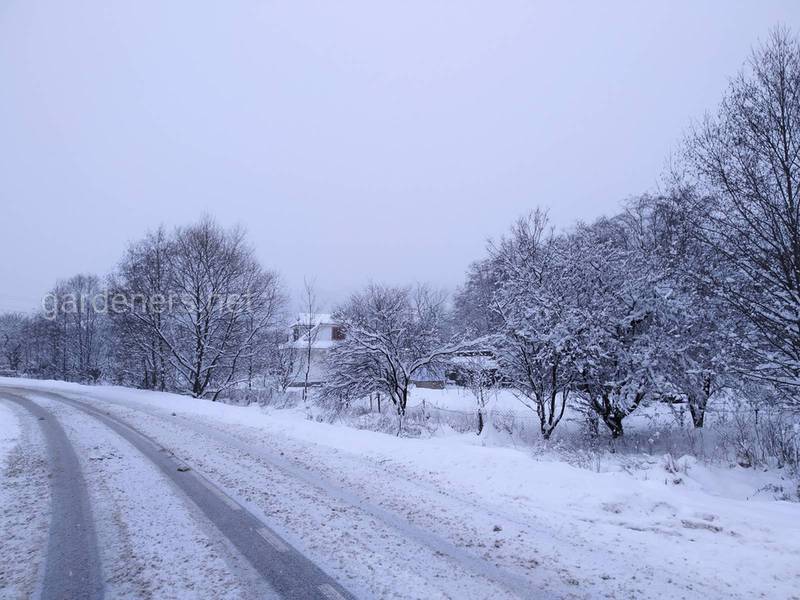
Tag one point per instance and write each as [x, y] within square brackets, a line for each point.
[354, 140]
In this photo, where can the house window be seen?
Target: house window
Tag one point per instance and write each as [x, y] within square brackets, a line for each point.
[337, 334]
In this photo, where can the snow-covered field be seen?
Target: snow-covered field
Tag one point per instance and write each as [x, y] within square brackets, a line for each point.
[460, 516]
[455, 398]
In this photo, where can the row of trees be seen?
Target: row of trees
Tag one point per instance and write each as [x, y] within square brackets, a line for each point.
[65, 341]
[190, 310]
[608, 316]
[680, 295]
[677, 298]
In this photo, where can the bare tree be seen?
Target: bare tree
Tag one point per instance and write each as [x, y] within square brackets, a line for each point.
[75, 308]
[281, 360]
[477, 371]
[310, 327]
[747, 160]
[86, 323]
[143, 281]
[12, 330]
[42, 346]
[219, 302]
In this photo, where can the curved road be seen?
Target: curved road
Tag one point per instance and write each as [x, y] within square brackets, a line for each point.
[72, 568]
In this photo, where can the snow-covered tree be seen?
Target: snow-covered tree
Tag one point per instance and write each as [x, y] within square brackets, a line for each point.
[477, 371]
[282, 366]
[142, 281]
[696, 330]
[745, 159]
[613, 321]
[474, 314]
[310, 327]
[391, 336]
[535, 349]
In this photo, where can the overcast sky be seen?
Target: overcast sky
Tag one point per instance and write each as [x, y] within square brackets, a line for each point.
[354, 140]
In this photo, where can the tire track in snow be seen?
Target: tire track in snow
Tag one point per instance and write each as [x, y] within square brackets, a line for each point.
[72, 563]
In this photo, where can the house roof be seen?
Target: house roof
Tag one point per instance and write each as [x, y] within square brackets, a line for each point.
[474, 362]
[313, 319]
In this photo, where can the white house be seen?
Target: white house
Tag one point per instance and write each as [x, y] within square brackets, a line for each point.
[319, 332]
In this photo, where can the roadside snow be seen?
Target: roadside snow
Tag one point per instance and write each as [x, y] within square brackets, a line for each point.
[9, 431]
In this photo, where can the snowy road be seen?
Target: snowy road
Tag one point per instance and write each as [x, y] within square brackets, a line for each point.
[232, 487]
[71, 565]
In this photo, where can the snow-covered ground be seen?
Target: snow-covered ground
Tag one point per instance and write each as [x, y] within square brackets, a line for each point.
[465, 517]
[456, 398]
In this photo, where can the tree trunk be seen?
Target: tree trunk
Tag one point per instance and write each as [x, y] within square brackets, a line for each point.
[401, 402]
[308, 370]
[698, 402]
[613, 421]
[145, 375]
[480, 421]
[698, 411]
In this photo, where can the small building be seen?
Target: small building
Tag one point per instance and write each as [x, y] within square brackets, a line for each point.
[316, 333]
[468, 365]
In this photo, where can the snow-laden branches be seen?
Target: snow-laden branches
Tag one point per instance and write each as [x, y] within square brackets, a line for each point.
[606, 315]
[745, 164]
[392, 336]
